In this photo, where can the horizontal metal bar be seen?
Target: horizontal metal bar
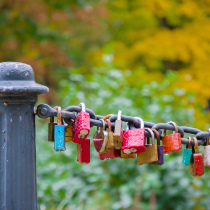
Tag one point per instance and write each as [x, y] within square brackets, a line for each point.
[45, 111]
[68, 114]
[99, 123]
[203, 135]
[167, 126]
[79, 109]
[190, 130]
[186, 141]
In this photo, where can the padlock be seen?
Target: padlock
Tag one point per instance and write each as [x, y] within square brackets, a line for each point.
[187, 153]
[81, 126]
[207, 152]
[117, 153]
[131, 156]
[98, 139]
[59, 135]
[196, 164]
[110, 143]
[83, 151]
[113, 153]
[151, 153]
[159, 148]
[105, 140]
[118, 131]
[51, 126]
[172, 142]
[68, 133]
[134, 141]
[110, 154]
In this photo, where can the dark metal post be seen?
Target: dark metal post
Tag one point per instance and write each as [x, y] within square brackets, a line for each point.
[18, 94]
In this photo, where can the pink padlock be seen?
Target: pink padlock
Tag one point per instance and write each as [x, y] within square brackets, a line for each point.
[98, 137]
[134, 141]
[81, 126]
[83, 151]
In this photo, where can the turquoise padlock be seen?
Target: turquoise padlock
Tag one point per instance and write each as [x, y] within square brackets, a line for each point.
[187, 153]
[59, 133]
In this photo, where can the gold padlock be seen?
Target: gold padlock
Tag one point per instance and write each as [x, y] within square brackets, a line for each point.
[51, 126]
[151, 153]
[110, 143]
[132, 156]
[68, 133]
[118, 131]
[103, 149]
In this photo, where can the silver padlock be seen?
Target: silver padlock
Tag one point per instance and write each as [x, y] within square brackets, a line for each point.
[207, 152]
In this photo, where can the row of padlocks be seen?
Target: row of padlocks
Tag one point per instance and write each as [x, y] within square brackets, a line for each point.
[125, 143]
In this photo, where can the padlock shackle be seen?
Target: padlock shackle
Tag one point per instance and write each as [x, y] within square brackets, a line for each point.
[109, 125]
[152, 135]
[127, 126]
[189, 143]
[157, 135]
[107, 117]
[196, 144]
[141, 121]
[175, 126]
[83, 106]
[164, 132]
[59, 121]
[167, 126]
[71, 109]
[119, 115]
[105, 141]
[103, 128]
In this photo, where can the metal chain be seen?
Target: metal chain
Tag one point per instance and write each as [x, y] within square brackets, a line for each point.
[69, 114]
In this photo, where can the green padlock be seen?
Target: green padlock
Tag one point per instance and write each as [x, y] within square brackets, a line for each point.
[187, 153]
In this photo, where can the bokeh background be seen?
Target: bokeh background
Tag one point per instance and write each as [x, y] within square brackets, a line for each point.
[148, 58]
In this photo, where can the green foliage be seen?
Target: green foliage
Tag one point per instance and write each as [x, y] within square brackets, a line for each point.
[117, 183]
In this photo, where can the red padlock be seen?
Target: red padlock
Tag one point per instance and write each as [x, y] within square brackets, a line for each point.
[108, 155]
[81, 126]
[196, 164]
[98, 139]
[134, 141]
[113, 153]
[172, 142]
[83, 151]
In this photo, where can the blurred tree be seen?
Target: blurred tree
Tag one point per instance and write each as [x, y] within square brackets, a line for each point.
[153, 35]
[51, 36]
[162, 35]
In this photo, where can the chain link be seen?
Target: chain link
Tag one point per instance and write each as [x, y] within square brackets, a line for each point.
[69, 114]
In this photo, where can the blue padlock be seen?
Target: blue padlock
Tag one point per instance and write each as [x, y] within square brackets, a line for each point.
[187, 153]
[59, 133]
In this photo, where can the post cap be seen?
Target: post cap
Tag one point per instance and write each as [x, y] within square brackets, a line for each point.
[17, 79]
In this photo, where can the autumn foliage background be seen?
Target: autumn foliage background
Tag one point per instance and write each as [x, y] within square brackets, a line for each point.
[147, 58]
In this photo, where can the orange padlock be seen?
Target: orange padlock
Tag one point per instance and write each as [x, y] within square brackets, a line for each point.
[172, 142]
